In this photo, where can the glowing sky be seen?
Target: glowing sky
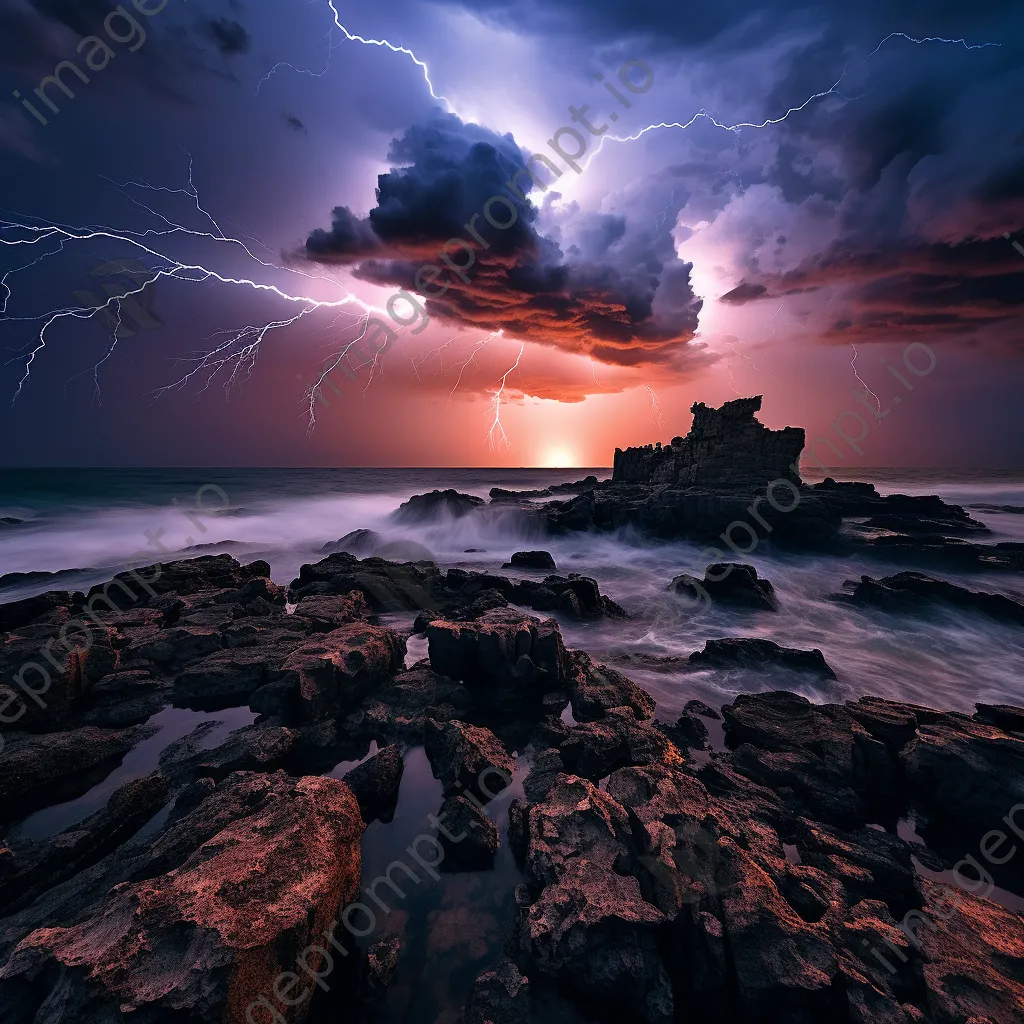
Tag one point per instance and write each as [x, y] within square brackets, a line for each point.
[702, 260]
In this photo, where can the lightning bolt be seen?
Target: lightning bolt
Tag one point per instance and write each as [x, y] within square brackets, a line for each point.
[238, 352]
[663, 216]
[472, 357]
[1016, 245]
[860, 380]
[353, 38]
[656, 415]
[496, 436]
[331, 47]
[833, 90]
[742, 355]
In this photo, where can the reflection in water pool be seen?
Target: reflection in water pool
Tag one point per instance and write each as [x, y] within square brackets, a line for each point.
[173, 724]
[450, 929]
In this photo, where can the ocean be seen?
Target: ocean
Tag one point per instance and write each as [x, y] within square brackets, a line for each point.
[85, 525]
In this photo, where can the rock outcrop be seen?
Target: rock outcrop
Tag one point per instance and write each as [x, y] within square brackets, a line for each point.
[729, 583]
[726, 449]
[915, 592]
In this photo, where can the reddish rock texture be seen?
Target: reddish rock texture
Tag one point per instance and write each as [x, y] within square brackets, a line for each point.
[205, 939]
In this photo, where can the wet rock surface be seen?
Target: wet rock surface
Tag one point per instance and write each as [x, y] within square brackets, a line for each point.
[914, 592]
[729, 583]
[541, 560]
[423, 507]
[756, 653]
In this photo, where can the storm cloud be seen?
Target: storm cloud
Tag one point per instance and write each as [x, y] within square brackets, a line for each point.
[582, 282]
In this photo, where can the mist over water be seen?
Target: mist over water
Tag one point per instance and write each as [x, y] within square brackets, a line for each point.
[100, 521]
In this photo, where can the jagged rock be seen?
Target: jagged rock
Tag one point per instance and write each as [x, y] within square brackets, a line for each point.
[385, 586]
[470, 838]
[915, 591]
[725, 447]
[484, 601]
[832, 765]
[448, 504]
[55, 606]
[207, 939]
[966, 774]
[590, 928]
[256, 748]
[760, 654]
[973, 957]
[687, 732]
[575, 486]
[337, 670]
[595, 689]
[595, 749]
[503, 657]
[184, 577]
[502, 494]
[324, 612]
[729, 583]
[499, 996]
[228, 678]
[547, 766]
[40, 770]
[1009, 719]
[358, 542]
[467, 757]
[403, 703]
[536, 560]
[376, 782]
[49, 863]
[381, 962]
[698, 707]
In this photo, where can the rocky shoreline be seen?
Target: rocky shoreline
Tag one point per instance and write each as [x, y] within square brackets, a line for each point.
[771, 860]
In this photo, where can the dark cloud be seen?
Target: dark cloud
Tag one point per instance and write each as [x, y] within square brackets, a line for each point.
[745, 292]
[924, 290]
[230, 36]
[737, 24]
[349, 236]
[589, 283]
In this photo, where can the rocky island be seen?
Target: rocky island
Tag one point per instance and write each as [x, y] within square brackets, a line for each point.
[772, 860]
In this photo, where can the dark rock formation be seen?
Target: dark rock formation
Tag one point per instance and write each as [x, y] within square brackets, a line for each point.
[500, 494]
[358, 542]
[469, 837]
[504, 658]
[595, 689]
[422, 508]
[468, 757]
[500, 996]
[376, 782]
[336, 671]
[594, 750]
[764, 880]
[760, 654]
[726, 448]
[913, 592]
[540, 560]
[456, 594]
[730, 583]
[52, 767]
[765, 852]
